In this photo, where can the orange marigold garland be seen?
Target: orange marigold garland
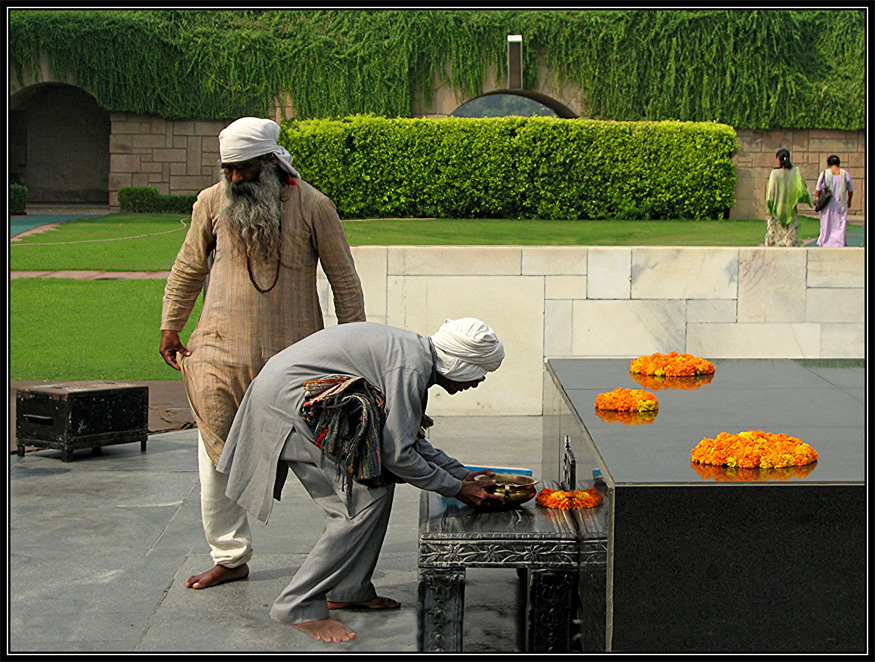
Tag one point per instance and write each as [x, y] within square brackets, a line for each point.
[654, 383]
[755, 474]
[672, 364]
[627, 417]
[627, 399]
[753, 448]
[575, 500]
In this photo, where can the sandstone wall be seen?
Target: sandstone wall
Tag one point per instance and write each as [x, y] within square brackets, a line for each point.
[178, 157]
[809, 149]
[611, 302]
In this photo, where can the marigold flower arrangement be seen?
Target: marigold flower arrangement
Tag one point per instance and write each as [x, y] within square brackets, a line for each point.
[654, 383]
[756, 474]
[627, 399]
[672, 364]
[574, 500]
[627, 417]
[753, 448]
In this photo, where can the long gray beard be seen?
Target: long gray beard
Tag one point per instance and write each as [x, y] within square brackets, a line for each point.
[253, 213]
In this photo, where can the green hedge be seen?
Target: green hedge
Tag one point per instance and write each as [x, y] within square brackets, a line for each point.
[147, 199]
[17, 199]
[516, 167]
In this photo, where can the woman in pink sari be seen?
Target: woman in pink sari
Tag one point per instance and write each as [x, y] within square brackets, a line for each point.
[834, 217]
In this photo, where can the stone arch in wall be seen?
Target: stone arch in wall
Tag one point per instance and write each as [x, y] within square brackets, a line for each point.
[59, 144]
[554, 105]
[562, 96]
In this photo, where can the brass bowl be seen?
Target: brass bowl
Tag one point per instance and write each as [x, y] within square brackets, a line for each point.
[514, 488]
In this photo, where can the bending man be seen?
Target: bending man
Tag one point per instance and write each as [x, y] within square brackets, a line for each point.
[266, 229]
[269, 436]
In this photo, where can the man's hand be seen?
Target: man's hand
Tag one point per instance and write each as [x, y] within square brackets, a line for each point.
[483, 472]
[473, 494]
[170, 345]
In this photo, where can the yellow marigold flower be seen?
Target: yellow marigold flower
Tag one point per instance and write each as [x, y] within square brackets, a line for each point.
[543, 495]
[753, 448]
[685, 382]
[627, 399]
[756, 474]
[672, 364]
[575, 500]
[627, 417]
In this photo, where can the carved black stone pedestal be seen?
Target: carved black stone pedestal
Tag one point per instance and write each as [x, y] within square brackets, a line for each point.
[543, 543]
[441, 607]
[549, 612]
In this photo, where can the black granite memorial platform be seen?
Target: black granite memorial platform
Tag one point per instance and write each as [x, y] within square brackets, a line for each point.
[709, 559]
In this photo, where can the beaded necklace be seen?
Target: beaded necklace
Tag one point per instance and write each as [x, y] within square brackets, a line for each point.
[279, 259]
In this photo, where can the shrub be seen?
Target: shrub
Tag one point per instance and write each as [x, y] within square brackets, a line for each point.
[137, 198]
[17, 199]
[147, 199]
[515, 167]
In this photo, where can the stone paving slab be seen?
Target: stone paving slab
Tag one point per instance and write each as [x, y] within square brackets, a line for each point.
[99, 549]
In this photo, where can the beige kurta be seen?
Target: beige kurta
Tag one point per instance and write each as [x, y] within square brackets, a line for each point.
[240, 328]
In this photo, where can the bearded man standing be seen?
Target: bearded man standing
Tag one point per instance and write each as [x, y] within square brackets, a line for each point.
[258, 234]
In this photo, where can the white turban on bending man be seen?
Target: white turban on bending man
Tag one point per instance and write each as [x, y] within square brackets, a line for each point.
[466, 349]
[254, 208]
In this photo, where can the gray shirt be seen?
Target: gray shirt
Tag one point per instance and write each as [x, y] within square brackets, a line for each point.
[269, 424]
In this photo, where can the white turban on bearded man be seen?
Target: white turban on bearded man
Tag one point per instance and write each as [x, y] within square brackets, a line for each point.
[254, 208]
[251, 137]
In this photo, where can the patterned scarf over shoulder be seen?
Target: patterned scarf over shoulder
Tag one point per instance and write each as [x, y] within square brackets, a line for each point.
[347, 415]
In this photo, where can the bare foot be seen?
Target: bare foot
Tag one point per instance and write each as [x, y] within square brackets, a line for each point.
[376, 603]
[327, 630]
[219, 574]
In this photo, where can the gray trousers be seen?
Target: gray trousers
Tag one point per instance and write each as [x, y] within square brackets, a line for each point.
[340, 566]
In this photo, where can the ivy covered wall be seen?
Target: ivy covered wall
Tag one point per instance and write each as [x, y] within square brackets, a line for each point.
[754, 69]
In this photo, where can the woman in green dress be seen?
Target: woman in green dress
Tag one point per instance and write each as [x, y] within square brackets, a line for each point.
[786, 190]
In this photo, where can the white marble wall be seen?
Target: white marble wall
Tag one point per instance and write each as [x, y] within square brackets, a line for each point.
[616, 302]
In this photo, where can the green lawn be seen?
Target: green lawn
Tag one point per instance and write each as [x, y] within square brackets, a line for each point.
[116, 242]
[149, 242]
[564, 233]
[71, 330]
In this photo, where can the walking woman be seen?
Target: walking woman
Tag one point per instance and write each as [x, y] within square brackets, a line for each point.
[786, 190]
[834, 217]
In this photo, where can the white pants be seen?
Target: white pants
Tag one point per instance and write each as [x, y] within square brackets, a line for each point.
[225, 523]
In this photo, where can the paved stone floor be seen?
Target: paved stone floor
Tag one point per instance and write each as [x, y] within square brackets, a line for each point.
[99, 549]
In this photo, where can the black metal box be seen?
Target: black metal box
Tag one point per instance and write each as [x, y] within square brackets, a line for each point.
[81, 415]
